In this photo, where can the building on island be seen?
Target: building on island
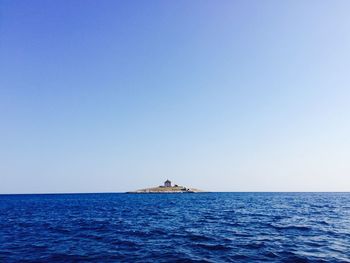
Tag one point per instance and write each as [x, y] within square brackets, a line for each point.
[167, 183]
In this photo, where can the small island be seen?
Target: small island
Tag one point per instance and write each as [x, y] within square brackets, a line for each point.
[166, 189]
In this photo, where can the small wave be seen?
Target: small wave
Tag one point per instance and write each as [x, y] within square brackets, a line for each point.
[195, 237]
[213, 247]
[253, 245]
[323, 222]
[291, 227]
[124, 243]
[291, 257]
[270, 254]
[240, 257]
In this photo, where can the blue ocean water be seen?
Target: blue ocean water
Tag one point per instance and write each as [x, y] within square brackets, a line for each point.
[203, 227]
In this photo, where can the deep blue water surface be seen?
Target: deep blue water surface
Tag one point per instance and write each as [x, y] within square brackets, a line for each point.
[208, 227]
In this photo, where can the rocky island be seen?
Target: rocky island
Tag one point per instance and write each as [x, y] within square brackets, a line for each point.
[167, 188]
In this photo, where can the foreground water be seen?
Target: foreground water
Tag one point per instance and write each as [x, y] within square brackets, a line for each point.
[205, 227]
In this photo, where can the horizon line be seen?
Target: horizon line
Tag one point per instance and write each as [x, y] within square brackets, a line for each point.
[126, 192]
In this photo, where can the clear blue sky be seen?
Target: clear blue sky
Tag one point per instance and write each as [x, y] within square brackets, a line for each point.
[221, 95]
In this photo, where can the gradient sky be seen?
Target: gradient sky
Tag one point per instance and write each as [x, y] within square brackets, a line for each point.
[112, 96]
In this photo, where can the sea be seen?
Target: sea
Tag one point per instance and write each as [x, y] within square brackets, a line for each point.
[188, 227]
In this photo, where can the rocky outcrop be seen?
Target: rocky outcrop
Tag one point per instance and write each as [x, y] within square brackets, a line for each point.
[166, 190]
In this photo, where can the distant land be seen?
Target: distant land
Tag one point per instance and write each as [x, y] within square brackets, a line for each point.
[166, 189]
